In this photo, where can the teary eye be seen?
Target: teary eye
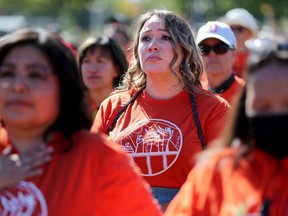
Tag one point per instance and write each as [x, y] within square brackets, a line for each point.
[145, 38]
[166, 37]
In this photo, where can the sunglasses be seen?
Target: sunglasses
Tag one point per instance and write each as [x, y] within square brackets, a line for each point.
[239, 29]
[219, 49]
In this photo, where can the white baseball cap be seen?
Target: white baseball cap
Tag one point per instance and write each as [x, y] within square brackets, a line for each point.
[240, 16]
[218, 30]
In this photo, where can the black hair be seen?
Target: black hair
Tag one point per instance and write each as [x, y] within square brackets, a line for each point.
[73, 112]
[108, 46]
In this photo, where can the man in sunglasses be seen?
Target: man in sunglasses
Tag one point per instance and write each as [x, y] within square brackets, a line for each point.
[218, 45]
[245, 27]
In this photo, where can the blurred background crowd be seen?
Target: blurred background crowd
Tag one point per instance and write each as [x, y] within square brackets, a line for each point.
[149, 77]
[74, 20]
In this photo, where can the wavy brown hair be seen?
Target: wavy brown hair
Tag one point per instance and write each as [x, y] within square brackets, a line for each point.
[182, 36]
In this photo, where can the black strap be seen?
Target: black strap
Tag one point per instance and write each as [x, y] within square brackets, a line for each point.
[224, 86]
[197, 121]
[194, 110]
[264, 209]
[133, 98]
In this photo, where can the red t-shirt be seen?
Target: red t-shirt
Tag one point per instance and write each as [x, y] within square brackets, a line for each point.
[231, 93]
[218, 188]
[160, 135]
[94, 178]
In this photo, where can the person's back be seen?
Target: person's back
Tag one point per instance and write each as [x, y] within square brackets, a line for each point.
[251, 178]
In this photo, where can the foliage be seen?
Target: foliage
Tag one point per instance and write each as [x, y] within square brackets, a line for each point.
[78, 12]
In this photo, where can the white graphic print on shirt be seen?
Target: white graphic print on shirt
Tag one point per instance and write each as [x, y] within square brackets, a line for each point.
[152, 140]
[23, 199]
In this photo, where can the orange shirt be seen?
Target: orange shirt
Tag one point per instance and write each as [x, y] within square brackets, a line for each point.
[160, 135]
[217, 188]
[94, 178]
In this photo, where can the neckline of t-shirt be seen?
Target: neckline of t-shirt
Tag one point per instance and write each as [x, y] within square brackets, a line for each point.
[174, 99]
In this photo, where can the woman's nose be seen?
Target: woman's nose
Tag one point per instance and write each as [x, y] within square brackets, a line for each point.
[154, 46]
[19, 83]
[92, 67]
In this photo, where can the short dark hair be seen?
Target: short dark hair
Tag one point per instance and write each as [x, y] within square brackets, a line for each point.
[109, 47]
[73, 114]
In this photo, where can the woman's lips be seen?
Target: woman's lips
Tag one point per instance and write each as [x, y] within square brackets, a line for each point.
[153, 58]
[18, 103]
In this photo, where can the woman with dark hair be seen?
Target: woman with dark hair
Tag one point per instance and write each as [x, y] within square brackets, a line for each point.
[160, 114]
[246, 172]
[42, 105]
[102, 63]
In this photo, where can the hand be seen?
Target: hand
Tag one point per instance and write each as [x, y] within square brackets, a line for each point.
[15, 167]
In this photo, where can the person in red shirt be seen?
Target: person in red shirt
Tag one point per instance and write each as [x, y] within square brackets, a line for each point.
[218, 44]
[42, 106]
[246, 171]
[160, 115]
[245, 27]
[102, 63]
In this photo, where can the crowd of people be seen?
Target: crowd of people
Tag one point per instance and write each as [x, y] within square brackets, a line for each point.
[164, 124]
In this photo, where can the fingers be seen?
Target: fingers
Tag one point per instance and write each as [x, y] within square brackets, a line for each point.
[15, 167]
[32, 161]
[7, 150]
[37, 156]
[39, 151]
[32, 173]
[38, 161]
[9, 162]
[16, 159]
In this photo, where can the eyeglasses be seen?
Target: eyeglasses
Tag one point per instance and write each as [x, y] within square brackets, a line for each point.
[36, 76]
[219, 49]
[237, 29]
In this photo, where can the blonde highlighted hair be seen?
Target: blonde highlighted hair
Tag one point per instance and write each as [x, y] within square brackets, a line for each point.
[181, 36]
